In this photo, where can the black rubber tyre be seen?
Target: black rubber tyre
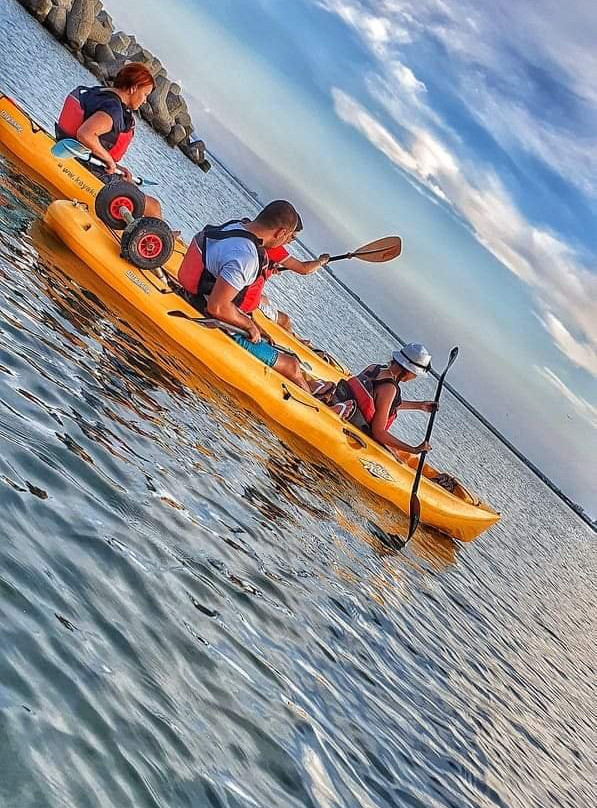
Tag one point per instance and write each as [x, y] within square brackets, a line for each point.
[147, 243]
[113, 196]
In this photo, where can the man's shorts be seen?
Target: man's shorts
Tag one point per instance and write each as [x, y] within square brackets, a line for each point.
[262, 350]
[270, 311]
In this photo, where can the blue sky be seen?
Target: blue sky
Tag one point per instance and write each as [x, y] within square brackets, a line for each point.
[470, 129]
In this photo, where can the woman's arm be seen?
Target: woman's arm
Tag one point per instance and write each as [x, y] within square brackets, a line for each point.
[425, 406]
[89, 133]
[384, 396]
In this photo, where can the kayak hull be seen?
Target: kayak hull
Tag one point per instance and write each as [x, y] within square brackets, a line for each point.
[358, 456]
[32, 144]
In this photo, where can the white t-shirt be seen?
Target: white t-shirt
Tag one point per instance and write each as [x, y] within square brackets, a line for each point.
[235, 260]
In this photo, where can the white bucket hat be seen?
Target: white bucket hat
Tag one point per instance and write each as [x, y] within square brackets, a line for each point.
[414, 357]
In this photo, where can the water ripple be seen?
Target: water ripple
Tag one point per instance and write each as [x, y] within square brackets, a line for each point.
[196, 610]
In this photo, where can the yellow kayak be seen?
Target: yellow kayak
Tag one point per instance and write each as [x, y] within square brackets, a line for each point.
[456, 513]
[32, 144]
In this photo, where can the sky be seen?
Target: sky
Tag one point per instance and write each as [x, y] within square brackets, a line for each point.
[469, 128]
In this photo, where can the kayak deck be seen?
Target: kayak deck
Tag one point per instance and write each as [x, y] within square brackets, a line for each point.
[32, 144]
[359, 456]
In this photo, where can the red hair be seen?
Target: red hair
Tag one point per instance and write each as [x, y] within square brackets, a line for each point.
[133, 75]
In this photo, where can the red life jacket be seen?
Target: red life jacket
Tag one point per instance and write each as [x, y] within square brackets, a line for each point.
[77, 109]
[361, 388]
[198, 282]
[255, 290]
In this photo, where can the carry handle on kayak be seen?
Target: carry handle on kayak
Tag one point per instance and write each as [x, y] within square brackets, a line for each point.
[70, 148]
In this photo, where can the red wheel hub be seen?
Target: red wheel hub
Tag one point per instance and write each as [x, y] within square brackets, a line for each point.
[149, 245]
[120, 202]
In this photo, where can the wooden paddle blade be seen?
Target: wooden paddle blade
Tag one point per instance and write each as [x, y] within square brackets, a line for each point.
[384, 249]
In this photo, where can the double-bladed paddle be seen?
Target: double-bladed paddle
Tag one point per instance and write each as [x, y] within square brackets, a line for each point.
[415, 505]
[69, 148]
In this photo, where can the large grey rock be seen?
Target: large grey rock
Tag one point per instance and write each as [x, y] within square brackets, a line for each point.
[176, 135]
[162, 120]
[105, 18]
[102, 72]
[104, 54]
[195, 151]
[88, 49]
[102, 29]
[39, 8]
[120, 42]
[174, 104]
[184, 119]
[112, 68]
[79, 22]
[135, 53]
[56, 21]
[156, 68]
[146, 112]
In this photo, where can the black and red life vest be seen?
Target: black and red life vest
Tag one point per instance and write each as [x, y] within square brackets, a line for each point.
[253, 293]
[81, 104]
[361, 389]
[197, 280]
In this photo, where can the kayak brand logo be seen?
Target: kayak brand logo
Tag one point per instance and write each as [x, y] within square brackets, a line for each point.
[377, 470]
[11, 121]
[77, 179]
[137, 281]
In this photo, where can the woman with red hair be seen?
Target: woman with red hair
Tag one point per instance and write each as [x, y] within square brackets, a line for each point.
[101, 118]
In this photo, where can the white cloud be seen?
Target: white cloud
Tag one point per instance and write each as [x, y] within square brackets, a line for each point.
[584, 408]
[539, 258]
[350, 111]
[580, 353]
[500, 72]
[376, 30]
[504, 74]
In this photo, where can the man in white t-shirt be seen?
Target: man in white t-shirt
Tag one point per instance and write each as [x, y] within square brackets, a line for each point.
[229, 265]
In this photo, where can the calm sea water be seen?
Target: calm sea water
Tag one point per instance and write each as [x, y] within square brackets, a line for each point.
[197, 611]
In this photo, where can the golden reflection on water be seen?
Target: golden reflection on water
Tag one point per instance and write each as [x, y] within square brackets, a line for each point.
[62, 276]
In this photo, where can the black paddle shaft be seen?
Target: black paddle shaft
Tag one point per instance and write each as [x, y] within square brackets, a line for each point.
[356, 254]
[415, 505]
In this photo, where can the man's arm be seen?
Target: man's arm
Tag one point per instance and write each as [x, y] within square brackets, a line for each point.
[221, 306]
[304, 267]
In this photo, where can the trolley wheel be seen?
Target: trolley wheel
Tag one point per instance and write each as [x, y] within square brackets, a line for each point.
[114, 196]
[147, 243]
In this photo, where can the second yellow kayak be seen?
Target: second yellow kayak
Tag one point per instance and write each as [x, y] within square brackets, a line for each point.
[457, 514]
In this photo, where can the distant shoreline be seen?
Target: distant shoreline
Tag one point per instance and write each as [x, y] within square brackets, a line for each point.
[574, 507]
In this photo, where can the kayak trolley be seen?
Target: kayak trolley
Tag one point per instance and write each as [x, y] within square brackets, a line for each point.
[147, 242]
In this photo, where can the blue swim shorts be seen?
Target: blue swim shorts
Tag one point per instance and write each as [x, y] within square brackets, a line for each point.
[262, 350]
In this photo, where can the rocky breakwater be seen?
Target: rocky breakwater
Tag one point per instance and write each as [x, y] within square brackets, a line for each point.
[86, 29]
